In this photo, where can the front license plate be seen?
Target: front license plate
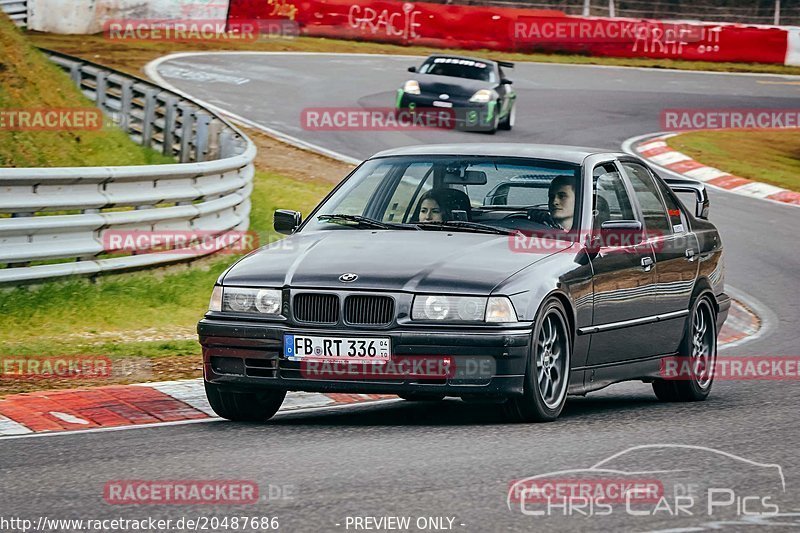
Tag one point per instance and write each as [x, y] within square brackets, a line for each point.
[306, 347]
[437, 103]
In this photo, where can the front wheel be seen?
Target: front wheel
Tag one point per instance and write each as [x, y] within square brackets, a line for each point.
[698, 355]
[508, 122]
[244, 406]
[547, 373]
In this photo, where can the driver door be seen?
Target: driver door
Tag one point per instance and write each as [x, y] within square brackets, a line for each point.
[624, 277]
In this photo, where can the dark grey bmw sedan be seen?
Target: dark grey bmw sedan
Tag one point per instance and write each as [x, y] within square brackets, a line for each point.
[519, 274]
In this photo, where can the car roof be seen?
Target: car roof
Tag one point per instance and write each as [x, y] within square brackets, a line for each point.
[553, 152]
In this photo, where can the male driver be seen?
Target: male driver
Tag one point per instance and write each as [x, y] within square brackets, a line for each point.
[561, 204]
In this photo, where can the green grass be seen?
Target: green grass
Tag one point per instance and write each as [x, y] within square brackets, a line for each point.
[29, 81]
[769, 156]
[46, 318]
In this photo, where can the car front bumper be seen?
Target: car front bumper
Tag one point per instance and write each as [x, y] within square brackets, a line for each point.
[246, 356]
[462, 114]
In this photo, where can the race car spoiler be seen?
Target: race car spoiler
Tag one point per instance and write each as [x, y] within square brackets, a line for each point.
[507, 64]
[695, 187]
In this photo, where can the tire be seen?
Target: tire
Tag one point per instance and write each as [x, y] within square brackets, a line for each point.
[508, 122]
[422, 397]
[547, 372]
[244, 406]
[699, 348]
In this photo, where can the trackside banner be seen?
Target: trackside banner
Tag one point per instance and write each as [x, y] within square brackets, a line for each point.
[521, 30]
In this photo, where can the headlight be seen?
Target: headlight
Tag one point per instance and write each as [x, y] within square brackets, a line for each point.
[262, 301]
[500, 309]
[216, 299]
[462, 308]
[484, 96]
[411, 87]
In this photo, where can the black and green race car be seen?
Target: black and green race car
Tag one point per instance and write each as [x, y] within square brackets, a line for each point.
[476, 90]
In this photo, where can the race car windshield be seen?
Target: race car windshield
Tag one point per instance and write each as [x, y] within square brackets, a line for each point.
[459, 192]
[458, 68]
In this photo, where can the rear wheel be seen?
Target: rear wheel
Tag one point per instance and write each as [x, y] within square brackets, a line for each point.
[422, 397]
[244, 406]
[698, 355]
[547, 374]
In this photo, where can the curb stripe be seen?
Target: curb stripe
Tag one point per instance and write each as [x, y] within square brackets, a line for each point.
[669, 157]
[729, 181]
[789, 197]
[704, 173]
[141, 404]
[682, 167]
[758, 189]
[9, 427]
[656, 151]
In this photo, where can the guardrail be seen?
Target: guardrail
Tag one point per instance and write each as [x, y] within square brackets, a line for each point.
[209, 191]
[17, 10]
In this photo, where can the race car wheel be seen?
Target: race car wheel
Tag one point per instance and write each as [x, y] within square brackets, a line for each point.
[508, 122]
[547, 374]
[422, 397]
[698, 356]
[244, 406]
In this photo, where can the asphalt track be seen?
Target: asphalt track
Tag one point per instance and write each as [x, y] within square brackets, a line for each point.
[455, 459]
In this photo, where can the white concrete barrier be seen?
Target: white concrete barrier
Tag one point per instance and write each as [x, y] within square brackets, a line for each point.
[90, 16]
[793, 47]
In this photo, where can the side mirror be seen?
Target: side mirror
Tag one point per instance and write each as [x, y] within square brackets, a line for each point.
[287, 221]
[615, 233]
[505, 81]
[412, 69]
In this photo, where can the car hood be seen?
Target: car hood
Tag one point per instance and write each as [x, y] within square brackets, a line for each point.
[394, 260]
[430, 83]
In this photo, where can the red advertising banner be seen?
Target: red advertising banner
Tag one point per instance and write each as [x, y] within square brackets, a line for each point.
[519, 30]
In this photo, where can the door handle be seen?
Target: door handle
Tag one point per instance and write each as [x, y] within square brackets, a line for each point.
[690, 254]
[647, 263]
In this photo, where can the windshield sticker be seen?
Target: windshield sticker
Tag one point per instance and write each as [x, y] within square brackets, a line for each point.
[456, 61]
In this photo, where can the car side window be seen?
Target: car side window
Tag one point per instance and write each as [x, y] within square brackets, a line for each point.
[677, 218]
[611, 201]
[653, 210]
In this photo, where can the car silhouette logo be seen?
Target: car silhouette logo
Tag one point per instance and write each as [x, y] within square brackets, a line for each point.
[348, 278]
[444, 96]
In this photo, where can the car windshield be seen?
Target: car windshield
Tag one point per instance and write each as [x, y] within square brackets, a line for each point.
[462, 193]
[458, 68]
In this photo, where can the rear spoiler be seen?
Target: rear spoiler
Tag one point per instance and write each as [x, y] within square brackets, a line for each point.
[507, 64]
[697, 188]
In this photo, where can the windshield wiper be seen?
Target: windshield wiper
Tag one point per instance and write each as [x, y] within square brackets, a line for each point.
[363, 221]
[464, 225]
